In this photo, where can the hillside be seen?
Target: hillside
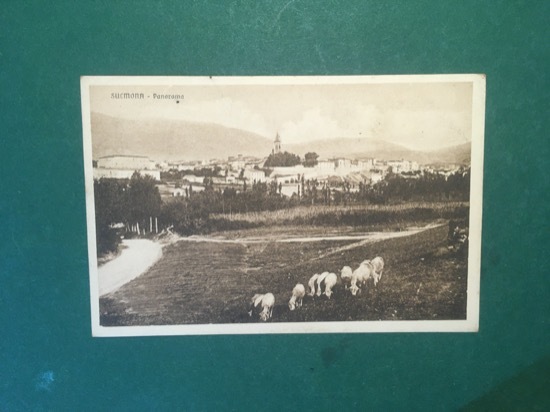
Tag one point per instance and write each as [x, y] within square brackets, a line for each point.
[460, 154]
[164, 139]
[172, 139]
[352, 148]
[379, 149]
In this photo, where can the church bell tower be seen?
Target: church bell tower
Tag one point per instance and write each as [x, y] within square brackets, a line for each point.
[277, 144]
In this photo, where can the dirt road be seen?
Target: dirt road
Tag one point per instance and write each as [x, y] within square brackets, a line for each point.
[135, 259]
[288, 238]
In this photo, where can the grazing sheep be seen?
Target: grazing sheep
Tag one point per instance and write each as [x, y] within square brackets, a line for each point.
[364, 272]
[354, 288]
[378, 265]
[298, 294]
[330, 281]
[360, 276]
[254, 303]
[320, 279]
[266, 302]
[311, 284]
[460, 232]
[345, 275]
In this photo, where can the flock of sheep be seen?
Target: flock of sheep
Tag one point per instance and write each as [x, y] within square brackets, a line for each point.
[321, 284]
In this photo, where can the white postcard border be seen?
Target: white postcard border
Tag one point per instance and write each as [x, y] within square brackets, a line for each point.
[471, 324]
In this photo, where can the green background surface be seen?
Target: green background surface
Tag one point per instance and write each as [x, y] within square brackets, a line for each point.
[48, 359]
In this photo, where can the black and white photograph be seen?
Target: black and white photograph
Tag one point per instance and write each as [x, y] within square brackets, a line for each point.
[305, 204]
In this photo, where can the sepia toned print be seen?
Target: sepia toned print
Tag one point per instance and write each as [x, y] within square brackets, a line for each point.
[237, 205]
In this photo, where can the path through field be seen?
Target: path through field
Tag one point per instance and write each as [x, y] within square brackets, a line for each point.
[136, 257]
[288, 238]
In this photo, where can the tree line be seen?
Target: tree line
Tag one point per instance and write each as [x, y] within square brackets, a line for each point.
[136, 203]
[132, 203]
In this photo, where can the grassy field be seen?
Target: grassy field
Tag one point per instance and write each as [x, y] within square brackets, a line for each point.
[379, 217]
[206, 282]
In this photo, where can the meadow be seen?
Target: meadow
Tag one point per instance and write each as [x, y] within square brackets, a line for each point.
[382, 217]
[200, 282]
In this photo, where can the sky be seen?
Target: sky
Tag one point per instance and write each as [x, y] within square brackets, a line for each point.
[420, 116]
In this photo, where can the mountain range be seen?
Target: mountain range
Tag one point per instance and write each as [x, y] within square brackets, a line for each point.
[166, 139]
[380, 149]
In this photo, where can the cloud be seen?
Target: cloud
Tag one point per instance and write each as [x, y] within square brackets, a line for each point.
[428, 129]
[313, 125]
[227, 112]
[330, 122]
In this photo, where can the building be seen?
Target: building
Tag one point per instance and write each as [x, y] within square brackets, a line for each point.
[163, 166]
[126, 162]
[325, 166]
[193, 179]
[376, 177]
[236, 163]
[219, 180]
[181, 166]
[254, 175]
[124, 166]
[399, 166]
[277, 144]
[282, 174]
[365, 164]
[343, 166]
[100, 173]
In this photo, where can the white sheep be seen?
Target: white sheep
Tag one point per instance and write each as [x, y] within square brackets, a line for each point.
[345, 275]
[266, 302]
[378, 266]
[320, 279]
[298, 294]
[311, 284]
[360, 276]
[254, 303]
[364, 272]
[330, 281]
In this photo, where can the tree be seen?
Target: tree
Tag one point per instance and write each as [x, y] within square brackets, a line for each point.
[208, 183]
[284, 159]
[273, 188]
[142, 199]
[185, 215]
[109, 196]
[310, 159]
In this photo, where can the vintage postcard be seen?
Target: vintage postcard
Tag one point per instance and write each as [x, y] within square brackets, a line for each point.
[322, 204]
